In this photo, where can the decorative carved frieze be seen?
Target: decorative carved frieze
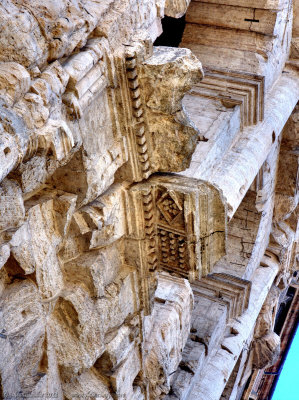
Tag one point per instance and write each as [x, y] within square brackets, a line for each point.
[150, 110]
[181, 223]
[95, 248]
[140, 132]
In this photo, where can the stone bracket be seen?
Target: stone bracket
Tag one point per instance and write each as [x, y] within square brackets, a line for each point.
[178, 225]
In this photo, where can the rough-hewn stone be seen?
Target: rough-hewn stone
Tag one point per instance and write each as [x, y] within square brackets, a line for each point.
[148, 196]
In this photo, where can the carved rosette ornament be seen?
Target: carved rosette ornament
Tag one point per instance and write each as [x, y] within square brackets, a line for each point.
[178, 226]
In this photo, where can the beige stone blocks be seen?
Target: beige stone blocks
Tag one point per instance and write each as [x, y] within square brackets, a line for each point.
[148, 195]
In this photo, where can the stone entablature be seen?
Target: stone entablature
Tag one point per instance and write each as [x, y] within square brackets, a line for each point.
[149, 198]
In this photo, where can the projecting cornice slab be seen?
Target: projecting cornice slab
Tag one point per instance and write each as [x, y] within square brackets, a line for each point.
[241, 163]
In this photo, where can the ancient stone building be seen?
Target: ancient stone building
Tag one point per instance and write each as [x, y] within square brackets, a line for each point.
[149, 197]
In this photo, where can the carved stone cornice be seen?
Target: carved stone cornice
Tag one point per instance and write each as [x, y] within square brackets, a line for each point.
[178, 225]
[149, 110]
[232, 290]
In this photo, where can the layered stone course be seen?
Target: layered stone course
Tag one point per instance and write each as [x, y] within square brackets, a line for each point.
[148, 196]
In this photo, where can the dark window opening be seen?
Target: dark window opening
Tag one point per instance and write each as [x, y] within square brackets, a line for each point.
[173, 29]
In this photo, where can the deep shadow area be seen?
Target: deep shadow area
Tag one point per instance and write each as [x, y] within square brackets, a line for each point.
[283, 310]
[173, 29]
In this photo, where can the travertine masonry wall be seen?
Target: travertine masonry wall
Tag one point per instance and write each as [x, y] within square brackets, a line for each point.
[148, 196]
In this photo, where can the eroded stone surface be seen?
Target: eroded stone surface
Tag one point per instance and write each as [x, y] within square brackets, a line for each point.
[129, 171]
